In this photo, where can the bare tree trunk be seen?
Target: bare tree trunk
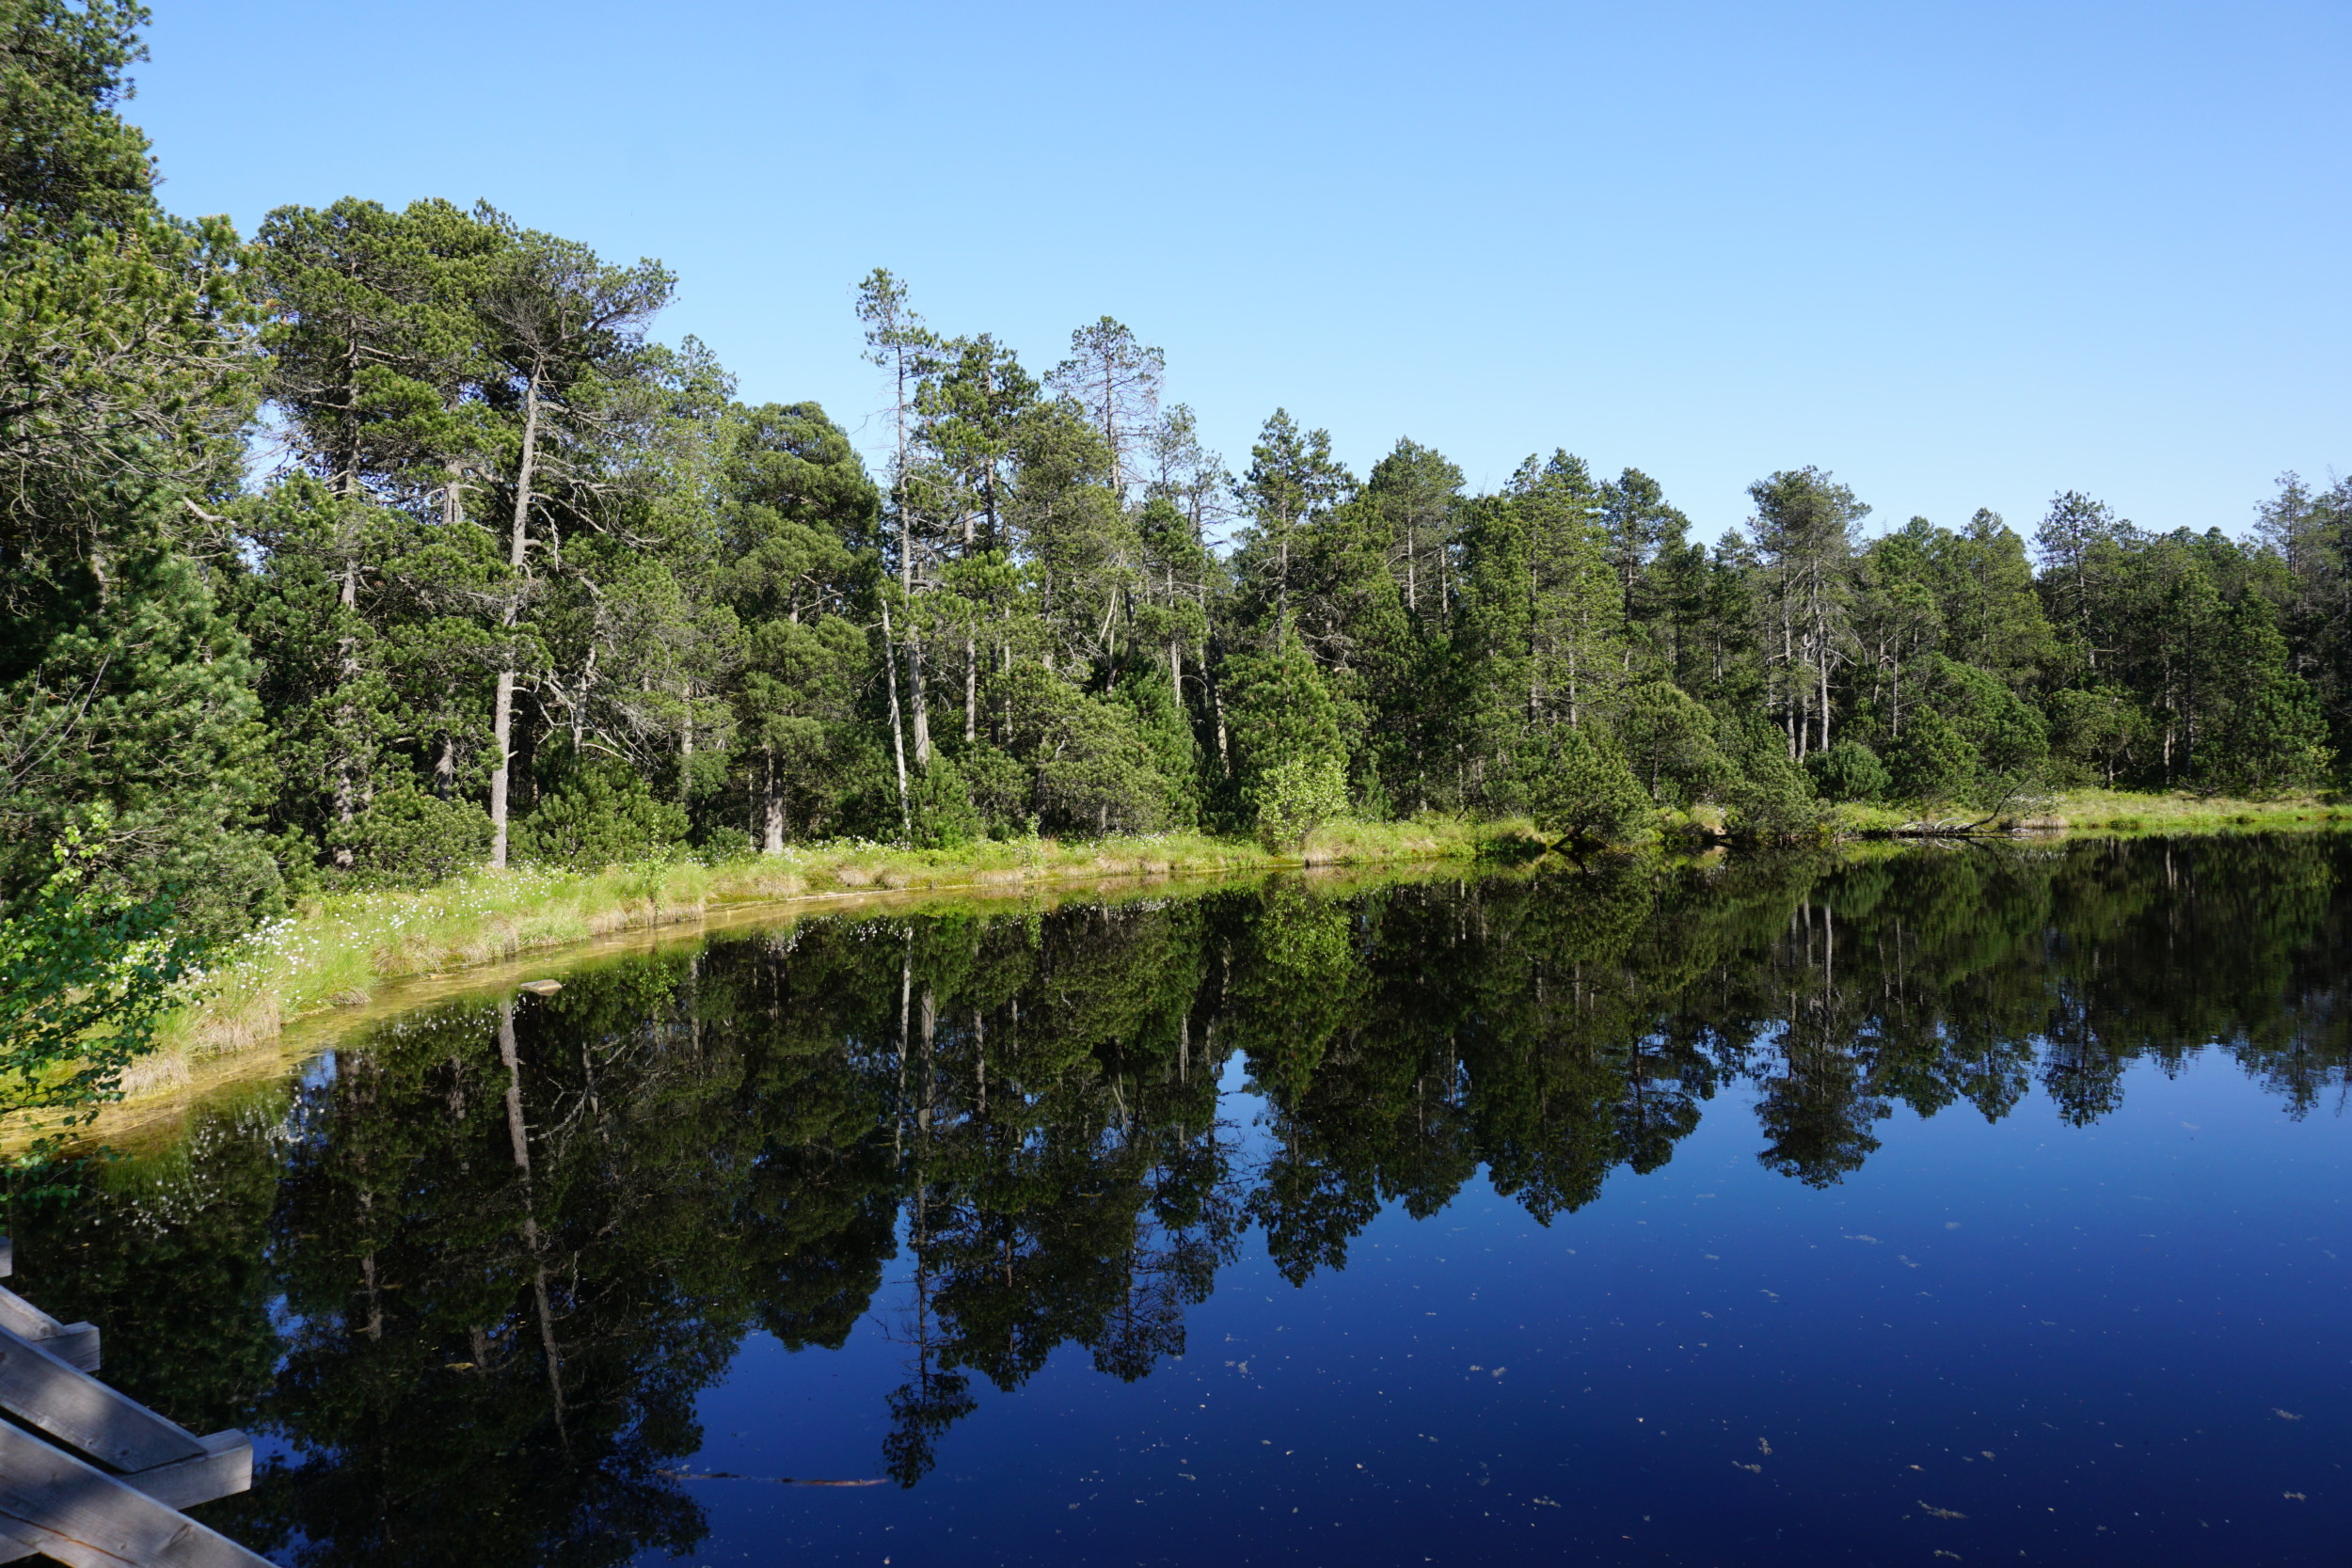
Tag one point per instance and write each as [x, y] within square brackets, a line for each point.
[502, 703]
[922, 707]
[1824, 743]
[772, 805]
[897, 726]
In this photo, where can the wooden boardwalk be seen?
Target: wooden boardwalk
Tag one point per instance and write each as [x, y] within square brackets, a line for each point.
[90, 1477]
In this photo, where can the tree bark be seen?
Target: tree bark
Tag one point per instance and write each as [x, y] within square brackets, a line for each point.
[502, 703]
[772, 805]
[897, 726]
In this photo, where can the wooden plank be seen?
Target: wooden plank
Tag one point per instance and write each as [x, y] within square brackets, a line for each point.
[77, 1513]
[77, 1347]
[74, 1343]
[42, 1390]
[227, 1467]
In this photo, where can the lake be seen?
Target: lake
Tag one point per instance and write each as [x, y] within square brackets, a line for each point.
[1980, 1202]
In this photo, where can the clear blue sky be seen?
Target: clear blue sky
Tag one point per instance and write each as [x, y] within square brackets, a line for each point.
[1963, 256]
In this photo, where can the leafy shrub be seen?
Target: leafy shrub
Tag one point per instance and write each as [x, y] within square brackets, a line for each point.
[2099, 732]
[723, 843]
[1578, 787]
[1849, 771]
[1932, 763]
[407, 838]
[998, 788]
[941, 807]
[1669, 745]
[84, 977]
[1294, 797]
[602, 816]
[1773, 802]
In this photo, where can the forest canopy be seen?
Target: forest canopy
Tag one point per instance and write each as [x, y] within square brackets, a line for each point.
[387, 544]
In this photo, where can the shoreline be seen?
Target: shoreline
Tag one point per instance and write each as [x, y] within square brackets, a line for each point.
[295, 988]
[291, 990]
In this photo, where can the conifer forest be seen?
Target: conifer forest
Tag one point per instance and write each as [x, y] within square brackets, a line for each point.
[384, 544]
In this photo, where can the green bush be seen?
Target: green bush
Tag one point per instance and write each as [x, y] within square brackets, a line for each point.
[1932, 763]
[1849, 771]
[601, 818]
[941, 807]
[1578, 787]
[723, 843]
[1294, 797]
[1669, 745]
[407, 838]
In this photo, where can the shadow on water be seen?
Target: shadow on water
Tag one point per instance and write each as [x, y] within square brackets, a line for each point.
[472, 1280]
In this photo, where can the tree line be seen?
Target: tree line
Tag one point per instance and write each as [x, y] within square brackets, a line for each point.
[390, 543]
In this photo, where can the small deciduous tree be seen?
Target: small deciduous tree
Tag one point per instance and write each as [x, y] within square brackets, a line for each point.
[85, 977]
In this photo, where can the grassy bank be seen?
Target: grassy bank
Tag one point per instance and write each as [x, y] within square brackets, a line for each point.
[2112, 811]
[346, 956]
[337, 951]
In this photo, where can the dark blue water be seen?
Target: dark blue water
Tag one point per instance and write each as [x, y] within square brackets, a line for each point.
[2121, 1343]
[1979, 1206]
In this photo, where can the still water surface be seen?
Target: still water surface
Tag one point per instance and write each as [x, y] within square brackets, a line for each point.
[1980, 1205]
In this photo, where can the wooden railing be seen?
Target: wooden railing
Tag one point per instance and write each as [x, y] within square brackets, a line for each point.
[89, 1476]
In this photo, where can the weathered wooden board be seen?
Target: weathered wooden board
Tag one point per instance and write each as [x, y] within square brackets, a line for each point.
[74, 1343]
[225, 1468]
[42, 1390]
[54, 1503]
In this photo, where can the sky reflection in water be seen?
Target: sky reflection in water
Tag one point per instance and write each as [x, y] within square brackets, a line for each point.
[1590, 1218]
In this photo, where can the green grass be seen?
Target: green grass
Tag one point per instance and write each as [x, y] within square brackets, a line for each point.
[2114, 811]
[335, 951]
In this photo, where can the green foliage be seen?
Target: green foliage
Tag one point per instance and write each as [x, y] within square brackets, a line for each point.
[1283, 717]
[1293, 797]
[1848, 771]
[406, 838]
[2011, 739]
[2099, 733]
[1577, 789]
[1670, 744]
[1774, 801]
[137, 726]
[941, 807]
[602, 816]
[1932, 763]
[85, 976]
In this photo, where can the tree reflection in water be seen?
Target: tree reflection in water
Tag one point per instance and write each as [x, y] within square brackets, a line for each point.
[474, 1278]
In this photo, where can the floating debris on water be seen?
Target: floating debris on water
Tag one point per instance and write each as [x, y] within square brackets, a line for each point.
[772, 1481]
